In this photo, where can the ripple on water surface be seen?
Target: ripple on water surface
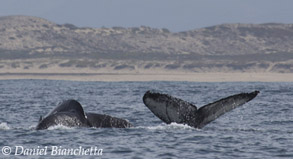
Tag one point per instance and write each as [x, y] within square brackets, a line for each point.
[262, 128]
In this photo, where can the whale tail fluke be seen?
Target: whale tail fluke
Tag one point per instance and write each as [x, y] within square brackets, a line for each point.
[212, 111]
[171, 109]
[41, 118]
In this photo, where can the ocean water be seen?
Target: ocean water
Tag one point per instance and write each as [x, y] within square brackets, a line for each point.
[262, 128]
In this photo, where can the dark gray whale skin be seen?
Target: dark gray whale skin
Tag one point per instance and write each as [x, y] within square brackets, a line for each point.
[171, 109]
[71, 114]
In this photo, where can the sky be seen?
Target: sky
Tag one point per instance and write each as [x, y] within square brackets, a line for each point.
[175, 15]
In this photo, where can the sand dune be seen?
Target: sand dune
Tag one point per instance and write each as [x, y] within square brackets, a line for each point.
[195, 77]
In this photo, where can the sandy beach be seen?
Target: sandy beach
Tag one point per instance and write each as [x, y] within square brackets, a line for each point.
[31, 69]
[195, 77]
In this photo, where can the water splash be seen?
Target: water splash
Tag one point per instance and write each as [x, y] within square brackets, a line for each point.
[60, 127]
[4, 126]
[32, 127]
[172, 126]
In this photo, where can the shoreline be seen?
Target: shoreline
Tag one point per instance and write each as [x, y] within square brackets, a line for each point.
[190, 77]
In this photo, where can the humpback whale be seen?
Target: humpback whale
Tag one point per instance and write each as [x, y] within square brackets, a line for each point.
[171, 109]
[71, 114]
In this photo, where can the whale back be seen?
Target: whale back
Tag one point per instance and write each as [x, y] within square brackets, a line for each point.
[69, 106]
[106, 121]
[64, 119]
[169, 109]
[69, 113]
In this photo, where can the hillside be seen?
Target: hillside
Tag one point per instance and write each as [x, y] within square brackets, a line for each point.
[31, 44]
